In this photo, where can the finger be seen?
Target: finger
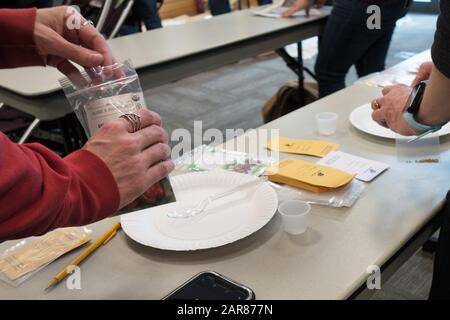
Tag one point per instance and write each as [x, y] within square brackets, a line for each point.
[293, 9]
[384, 124]
[155, 154]
[146, 118]
[288, 13]
[387, 89]
[96, 77]
[149, 118]
[416, 81]
[159, 171]
[118, 72]
[151, 135]
[379, 116]
[58, 46]
[375, 104]
[92, 39]
[74, 75]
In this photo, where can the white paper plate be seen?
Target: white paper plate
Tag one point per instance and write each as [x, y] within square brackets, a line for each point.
[227, 220]
[361, 119]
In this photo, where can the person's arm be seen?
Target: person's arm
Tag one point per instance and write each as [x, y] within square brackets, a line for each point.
[303, 5]
[40, 191]
[435, 106]
[17, 47]
[53, 37]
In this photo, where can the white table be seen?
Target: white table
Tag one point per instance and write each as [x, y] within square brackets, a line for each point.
[389, 222]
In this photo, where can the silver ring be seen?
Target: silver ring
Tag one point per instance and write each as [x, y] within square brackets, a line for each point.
[86, 23]
[134, 120]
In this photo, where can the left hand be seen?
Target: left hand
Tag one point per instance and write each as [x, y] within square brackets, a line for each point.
[303, 5]
[388, 110]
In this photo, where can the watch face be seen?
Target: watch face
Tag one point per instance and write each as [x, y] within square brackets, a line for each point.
[415, 98]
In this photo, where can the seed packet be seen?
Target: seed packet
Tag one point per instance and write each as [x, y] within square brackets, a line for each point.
[208, 158]
[102, 94]
[25, 258]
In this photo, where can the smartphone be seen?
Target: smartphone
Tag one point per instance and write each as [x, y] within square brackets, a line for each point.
[210, 285]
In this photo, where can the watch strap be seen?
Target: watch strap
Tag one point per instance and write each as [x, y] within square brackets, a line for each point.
[409, 117]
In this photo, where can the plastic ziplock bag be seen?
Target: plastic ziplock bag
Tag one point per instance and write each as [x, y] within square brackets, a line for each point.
[27, 257]
[343, 197]
[102, 94]
[207, 158]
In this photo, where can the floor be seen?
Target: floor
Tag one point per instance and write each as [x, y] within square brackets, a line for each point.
[232, 96]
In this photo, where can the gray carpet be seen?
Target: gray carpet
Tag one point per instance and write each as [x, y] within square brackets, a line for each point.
[232, 96]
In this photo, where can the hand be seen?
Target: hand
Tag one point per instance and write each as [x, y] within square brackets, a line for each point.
[136, 160]
[388, 110]
[302, 5]
[423, 73]
[62, 34]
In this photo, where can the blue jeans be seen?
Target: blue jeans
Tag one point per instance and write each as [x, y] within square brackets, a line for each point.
[145, 11]
[223, 6]
[37, 4]
[348, 41]
[219, 7]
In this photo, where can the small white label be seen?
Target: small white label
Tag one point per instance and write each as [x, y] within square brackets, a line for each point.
[365, 169]
[102, 110]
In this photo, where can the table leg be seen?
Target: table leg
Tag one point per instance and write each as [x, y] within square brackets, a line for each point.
[431, 245]
[29, 131]
[301, 76]
[296, 65]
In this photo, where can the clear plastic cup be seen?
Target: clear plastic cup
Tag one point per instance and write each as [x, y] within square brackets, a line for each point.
[327, 122]
[295, 216]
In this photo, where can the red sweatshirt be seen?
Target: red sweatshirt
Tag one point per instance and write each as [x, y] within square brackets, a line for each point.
[40, 191]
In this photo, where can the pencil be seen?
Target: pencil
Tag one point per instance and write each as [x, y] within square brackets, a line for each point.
[108, 235]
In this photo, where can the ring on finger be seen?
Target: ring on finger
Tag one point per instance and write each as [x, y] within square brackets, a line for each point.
[134, 120]
[86, 23]
[375, 104]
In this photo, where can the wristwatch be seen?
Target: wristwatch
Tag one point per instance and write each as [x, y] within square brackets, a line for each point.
[413, 106]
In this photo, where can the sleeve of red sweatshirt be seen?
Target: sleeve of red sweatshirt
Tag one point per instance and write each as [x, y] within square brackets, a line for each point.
[40, 191]
[17, 47]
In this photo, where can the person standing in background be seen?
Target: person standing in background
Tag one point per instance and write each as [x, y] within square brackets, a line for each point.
[145, 11]
[423, 111]
[348, 40]
[219, 7]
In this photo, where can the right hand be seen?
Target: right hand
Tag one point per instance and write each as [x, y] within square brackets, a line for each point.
[423, 73]
[303, 5]
[136, 160]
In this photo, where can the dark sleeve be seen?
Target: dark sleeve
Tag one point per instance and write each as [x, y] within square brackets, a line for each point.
[440, 51]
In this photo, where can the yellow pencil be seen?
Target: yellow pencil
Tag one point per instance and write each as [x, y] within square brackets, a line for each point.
[108, 235]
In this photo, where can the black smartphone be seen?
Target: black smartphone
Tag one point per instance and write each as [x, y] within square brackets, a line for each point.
[210, 285]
